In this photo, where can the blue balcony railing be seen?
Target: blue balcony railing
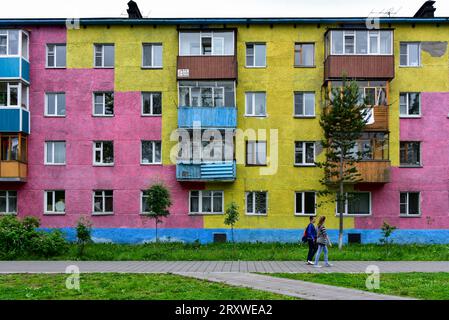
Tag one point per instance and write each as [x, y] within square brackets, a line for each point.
[14, 120]
[207, 117]
[221, 171]
[14, 68]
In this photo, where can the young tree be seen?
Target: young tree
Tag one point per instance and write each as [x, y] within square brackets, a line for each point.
[157, 204]
[231, 217]
[83, 234]
[343, 121]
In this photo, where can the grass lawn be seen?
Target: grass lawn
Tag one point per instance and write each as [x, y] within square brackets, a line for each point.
[429, 286]
[246, 251]
[123, 287]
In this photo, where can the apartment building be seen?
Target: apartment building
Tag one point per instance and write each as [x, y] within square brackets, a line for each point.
[92, 112]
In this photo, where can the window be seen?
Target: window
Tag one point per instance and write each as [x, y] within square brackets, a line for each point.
[151, 103]
[54, 202]
[216, 43]
[11, 150]
[410, 203]
[103, 104]
[55, 104]
[55, 152]
[371, 146]
[206, 94]
[104, 55]
[204, 202]
[103, 202]
[410, 104]
[152, 55]
[8, 202]
[305, 203]
[256, 153]
[9, 42]
[151, 152]
[103, 153]
[256, 55]
[410, 154]
[357, 203]
[256, 203]
[256, 105]
[305, 153]
[56, 55]
[13, 94]
[304, 54]
[304, 104]
[410, 54]
[349, 42]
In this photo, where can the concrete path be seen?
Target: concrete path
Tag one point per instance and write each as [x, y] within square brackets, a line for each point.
[288, 287]
[218, 266]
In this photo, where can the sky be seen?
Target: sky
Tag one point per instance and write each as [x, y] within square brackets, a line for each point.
[213, 8]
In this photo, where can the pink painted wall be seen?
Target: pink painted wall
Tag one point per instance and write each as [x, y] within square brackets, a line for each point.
[432, 180]
[79, 129]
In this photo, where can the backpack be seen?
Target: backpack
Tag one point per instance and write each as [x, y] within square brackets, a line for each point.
[304, 236]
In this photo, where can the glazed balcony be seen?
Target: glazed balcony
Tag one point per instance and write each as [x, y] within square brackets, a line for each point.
[14, 62]
[13, 158]
[219, 171]
[207, 117]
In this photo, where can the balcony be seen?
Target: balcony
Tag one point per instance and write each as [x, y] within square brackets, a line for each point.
[14, 120]
[374, 171]
[207, 117]
[380, 119]
[14, 68]
[222, 171]
[13, 171]
[359, 66]
[207, 67]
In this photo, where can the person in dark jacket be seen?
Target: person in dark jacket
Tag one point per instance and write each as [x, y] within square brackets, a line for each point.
[311, 240]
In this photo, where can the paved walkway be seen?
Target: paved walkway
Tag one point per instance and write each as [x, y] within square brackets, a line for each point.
[218, 266]
[288, 287]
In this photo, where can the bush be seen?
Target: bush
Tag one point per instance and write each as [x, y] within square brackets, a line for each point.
[21, 238]
[83, 234]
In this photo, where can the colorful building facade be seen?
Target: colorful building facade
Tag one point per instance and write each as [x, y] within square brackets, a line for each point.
[90, 117]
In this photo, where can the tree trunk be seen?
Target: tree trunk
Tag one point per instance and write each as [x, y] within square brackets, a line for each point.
[341, 204]
[232, 233]
[157, 239]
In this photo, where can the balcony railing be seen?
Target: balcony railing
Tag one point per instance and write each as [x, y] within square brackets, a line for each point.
[207, 68]
[359, 66]
[375, 171]
[221, 171]
[380, 119]
[14, 68]
[207, 117]
[14, 120]
[13, 171]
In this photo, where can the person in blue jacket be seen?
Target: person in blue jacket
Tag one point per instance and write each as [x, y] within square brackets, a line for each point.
[311, 240]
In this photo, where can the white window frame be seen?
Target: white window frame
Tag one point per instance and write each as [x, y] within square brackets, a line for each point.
[303, 163]
[253, 106]
[20, 46]
[95, 149]
[102, 55]
[56, 115]
[304, 93]
[407, 205]
[103, 199]
[55, 55]
[53, 195]
[303, 196]
[346, 214]
[103, 104]
[254, 44]
[152, 114]
[153, 66]
[53, 153]
[368, 48]
[254, 203]
[20, 87]
[142, 195]
[255, 146]
[407, 94]
[200, 202]
[200, 102]
[408, 54]
[153, 146]
[8, 197]
[212, 35]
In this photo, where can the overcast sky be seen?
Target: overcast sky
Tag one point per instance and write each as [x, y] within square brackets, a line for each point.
[212, 8]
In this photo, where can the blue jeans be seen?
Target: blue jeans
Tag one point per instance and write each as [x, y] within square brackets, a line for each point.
[321, 247]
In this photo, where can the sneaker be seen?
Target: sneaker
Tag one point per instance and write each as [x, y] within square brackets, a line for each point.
[310, 263]
[329, 265]
[316, 266]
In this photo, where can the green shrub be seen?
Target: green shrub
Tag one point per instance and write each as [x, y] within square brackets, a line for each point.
[21, 238]
[83, 234]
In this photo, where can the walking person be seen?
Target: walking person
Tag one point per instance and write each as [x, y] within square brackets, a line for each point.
[323, 242]
[311, 240]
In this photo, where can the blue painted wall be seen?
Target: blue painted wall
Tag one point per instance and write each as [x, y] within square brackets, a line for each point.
[217, 117]
[136, 236]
